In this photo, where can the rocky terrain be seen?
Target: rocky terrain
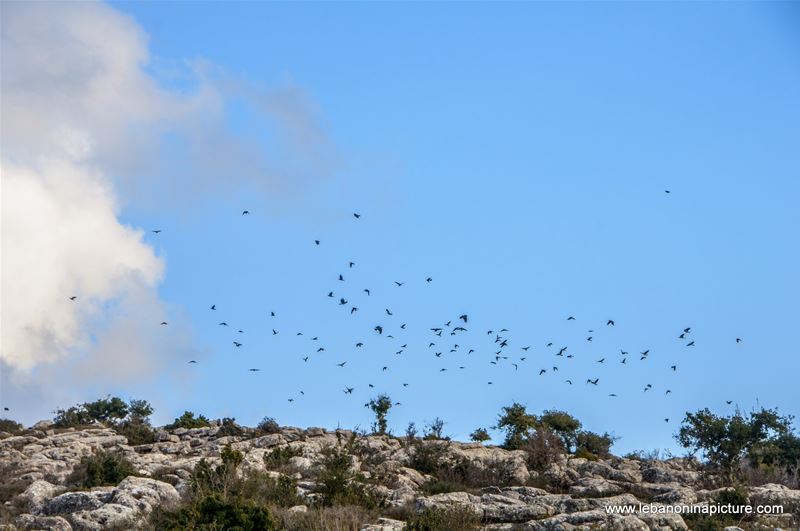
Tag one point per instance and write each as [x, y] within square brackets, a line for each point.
[569, 493]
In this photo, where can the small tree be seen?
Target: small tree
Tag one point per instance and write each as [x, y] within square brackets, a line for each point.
[725, 440]
[562, 424]
[517, 423]
[139, 410]
[105, 409]
[380, 406]
[480, 435]
[434, 430]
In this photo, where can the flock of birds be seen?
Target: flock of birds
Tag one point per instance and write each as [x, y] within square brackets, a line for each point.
[450, 337]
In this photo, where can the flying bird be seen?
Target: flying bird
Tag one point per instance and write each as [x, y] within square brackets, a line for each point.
[213, 306]
[157, 231]
[399, 283]
[341, 364]
[73, 298]
[245, 212]
[610, 322]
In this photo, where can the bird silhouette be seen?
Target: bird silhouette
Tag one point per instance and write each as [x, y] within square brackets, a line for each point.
[156, 231]
[570, 318]
[610, 322]
[73, 298]
[253, 370]
[245, 212]
[192, 361]
[341, 364]
[356, 215]
[163, 322]
[399, 283]
[379, 329]
[429, 279]
[213, 306]
[348, 390]
[593, 382]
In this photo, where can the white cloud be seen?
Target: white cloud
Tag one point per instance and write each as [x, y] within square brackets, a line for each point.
[82, 123]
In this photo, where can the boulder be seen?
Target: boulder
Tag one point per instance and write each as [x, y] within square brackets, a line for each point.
[38, 493]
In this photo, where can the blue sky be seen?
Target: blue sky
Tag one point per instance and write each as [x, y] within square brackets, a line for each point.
[517, 153]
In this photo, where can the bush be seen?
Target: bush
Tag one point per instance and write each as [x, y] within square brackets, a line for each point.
[189, 421]
[213, 512]
[279, 457]
[450, 519]
[267, 426]
[517, 423]
[427, 457]
[101, 469]
[11, 426]
[736, 496]
[593, 445]
[543, 448]
[229, 428]
[136, 431]
[263, 489]
[480, 435]
[339, 484]
[434, 431]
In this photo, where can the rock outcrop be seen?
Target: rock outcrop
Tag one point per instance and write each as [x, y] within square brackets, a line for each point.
[570, 493]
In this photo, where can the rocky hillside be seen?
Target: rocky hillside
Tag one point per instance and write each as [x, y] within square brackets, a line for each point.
[420, 482]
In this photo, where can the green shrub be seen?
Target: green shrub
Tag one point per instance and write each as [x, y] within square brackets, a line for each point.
[480, 435]
[267, 426]
[450, 519]
[264, 489]
[434, 430]
[101, 469]
[736, 496]
[229, 428]
[427, 457]
[11, 426]
[593, 444]
[279, 457]
[542, 447]
[136, 431]
[189, 421]
[212, 513]
[339, 484]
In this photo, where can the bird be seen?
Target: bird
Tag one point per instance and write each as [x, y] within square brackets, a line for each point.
[359, 344]
[367, 292]
[385, 368]
[667, 192]
[687, 330]
[341, 278]
[668, 391]
[245, 212]
[690, 344]
[589, 338]
[156, 231]
[729, 402]
[624, 360]
[610, 322]
[388, 312]
[237, 344]
[593, 382]
[601, 360]
[352, 264]
[379, 329]
[348, 390]
[570, 318]
[429, 279]
[463, 317]
[612, 394]
[305, 359]
[341, 364]
[353, 310]
[542, 371]
[673, 367]
[526, 348]
[163, 322]
[399, 283]
[213, 306]
[316, 242]
[568, 381]
[223, 323]
[192, 361]
[274, 332]
[253, 370]
[356, 215]
[73, 298]
[342, 301]
[290, 399]
[738, 339]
